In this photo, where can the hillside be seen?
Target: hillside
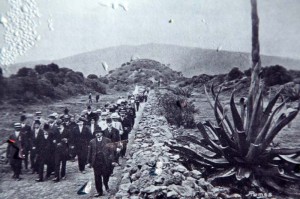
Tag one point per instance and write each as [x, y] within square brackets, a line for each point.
[190, 61]
[45, 83]
[142, 71]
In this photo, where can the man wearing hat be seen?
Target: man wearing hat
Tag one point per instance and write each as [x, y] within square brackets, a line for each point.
[53, 130]
[36, 131]
[44, 149]
[90, 115]
[131, 114]
[126, 123]
[38, 116]
[114, 135]
[25, 131]
[14, 151]
[82, 137]
[101, 158]
[61, 151]
[111, 132]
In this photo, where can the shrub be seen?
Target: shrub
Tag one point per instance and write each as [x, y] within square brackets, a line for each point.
[95, 85]
[92, 76]
[23, 72]
[274, 75]
[248, 72]
[235, 73]
[174, 114]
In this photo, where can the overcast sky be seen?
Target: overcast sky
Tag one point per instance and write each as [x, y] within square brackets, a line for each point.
[85, 25]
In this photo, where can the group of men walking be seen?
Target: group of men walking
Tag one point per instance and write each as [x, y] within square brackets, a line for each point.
[98, 138]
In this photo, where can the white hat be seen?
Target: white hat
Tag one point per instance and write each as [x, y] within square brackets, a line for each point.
[115, 116]
[104, 114]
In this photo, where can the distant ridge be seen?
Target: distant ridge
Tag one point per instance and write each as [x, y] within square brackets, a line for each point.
[190, 61]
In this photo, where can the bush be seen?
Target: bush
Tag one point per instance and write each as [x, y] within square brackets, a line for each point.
[235, 73]
[174, 114]
[274, 75]
[24, 72]
[121, 87]
[92, 76]
[248, 72]
[95, 85]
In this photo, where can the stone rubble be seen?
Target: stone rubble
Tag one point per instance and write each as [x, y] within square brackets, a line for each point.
[146, 150]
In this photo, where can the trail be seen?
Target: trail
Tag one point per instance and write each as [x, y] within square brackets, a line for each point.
[28, 188]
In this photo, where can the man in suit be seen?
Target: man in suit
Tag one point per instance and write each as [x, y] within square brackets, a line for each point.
[101, 158]
[36, 131]
[14, 151]
[127, 125]
[114, 135]
[53, 130]
[82, 137]
[61, 151]
[90, 115]
[70, 125]
[43, 147]
[137, 102]
[25, 131]
[110, 132]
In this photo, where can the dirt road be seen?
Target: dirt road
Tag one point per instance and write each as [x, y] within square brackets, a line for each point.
[28, 188]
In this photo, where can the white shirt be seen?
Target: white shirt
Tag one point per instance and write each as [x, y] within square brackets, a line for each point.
[17, 133]
[80, 128]
[61, 130]
[36, 132]
[92, 128]
[102, 124]
[46, 135]
[22, 125]
[118, 126]
[99, 139]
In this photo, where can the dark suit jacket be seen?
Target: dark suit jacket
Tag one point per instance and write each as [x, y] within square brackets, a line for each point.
[106, 156]
[114, 135]
[62, 141]
[26, 137]
[44, 146]
[33, 139]
[81, 140]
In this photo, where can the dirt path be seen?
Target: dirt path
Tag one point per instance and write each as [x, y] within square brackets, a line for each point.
[28, 188]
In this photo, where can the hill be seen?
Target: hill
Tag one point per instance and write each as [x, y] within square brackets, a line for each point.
[143, 72]
[189, 61]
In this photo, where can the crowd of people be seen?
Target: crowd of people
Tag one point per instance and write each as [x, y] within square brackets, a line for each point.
[97, 138]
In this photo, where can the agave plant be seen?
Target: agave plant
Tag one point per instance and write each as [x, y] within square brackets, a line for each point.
[240, 147]
[291, 91]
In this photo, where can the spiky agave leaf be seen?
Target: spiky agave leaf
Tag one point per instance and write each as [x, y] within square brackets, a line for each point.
[262, 134]
[281, 122]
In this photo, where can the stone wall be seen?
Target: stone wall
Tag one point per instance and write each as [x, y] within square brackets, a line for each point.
[147, 150]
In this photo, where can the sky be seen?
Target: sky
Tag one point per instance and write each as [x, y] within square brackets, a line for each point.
[71, 27]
